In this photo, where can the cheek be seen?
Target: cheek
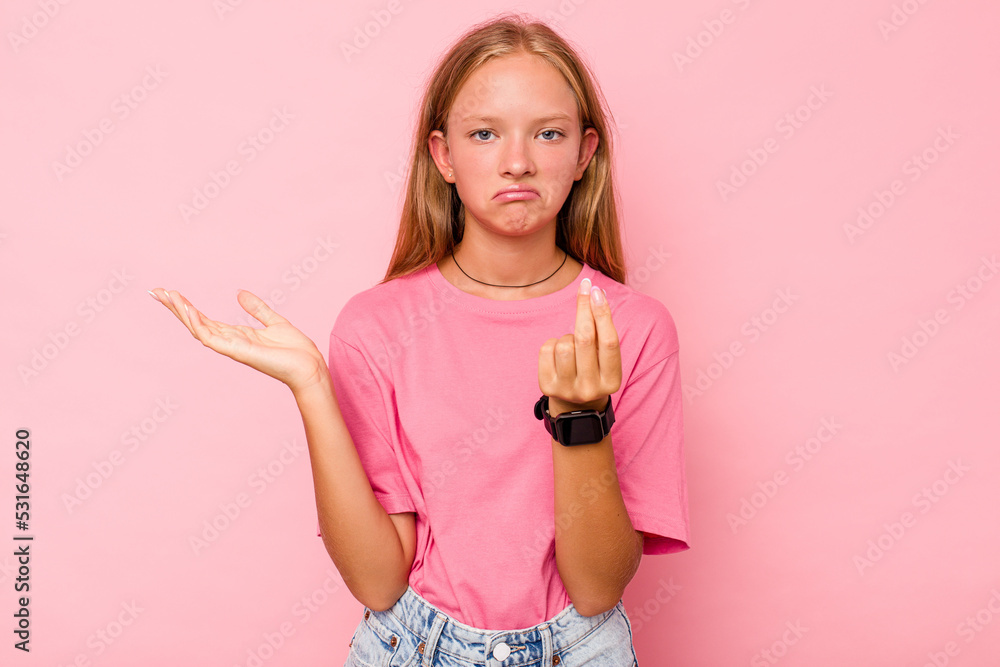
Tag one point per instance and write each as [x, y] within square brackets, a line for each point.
[471, 174]
[469, 161]
[563, 168]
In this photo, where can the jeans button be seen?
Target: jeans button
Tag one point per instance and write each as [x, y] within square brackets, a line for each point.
[501, 651]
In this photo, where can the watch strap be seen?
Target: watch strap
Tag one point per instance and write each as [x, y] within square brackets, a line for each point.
[606, 416]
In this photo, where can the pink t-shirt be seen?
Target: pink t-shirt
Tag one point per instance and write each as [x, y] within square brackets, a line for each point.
[437, 388]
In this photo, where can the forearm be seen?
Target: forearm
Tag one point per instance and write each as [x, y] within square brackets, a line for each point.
[597, 549]
[357, 532]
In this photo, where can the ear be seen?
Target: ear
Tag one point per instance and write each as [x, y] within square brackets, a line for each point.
[588, 146]
[437, 144]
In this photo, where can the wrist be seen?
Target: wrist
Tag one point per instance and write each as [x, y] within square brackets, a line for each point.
[557, 406]
[317, 385]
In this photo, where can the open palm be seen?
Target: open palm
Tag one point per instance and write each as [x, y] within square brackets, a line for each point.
[279, 349]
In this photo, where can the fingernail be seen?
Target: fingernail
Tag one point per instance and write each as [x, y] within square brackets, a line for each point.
[585, 286]
[597, 294]
[153, 295]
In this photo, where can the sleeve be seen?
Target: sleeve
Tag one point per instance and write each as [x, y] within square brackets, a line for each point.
[362, 405]
[649, 433]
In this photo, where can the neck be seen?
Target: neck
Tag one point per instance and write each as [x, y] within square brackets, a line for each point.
[509, 261]
[513, 285]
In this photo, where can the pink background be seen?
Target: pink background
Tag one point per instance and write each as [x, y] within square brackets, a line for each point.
[838, 558]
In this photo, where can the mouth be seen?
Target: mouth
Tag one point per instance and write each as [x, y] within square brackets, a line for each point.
[516, 193]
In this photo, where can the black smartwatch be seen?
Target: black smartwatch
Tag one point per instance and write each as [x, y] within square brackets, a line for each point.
[579, 427]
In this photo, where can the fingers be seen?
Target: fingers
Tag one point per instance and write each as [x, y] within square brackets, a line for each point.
[164, 297]
[188, 315]
[587, 363]
[585, 335]
[608, 353]
[563, 358]
[185, 312]
[547, 376]
[598, 359]
[254, 305]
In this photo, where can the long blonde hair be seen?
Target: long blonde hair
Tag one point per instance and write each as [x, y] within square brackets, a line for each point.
[433, 217]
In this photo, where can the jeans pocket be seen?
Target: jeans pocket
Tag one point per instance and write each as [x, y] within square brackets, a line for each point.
[607, 645]
[380, 641]
[371, 646]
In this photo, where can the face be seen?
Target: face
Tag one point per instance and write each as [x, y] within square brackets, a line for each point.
[514, 122]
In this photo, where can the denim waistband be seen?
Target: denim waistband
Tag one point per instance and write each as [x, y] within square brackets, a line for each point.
[438, 632]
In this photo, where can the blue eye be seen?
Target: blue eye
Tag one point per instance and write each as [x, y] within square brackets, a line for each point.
[553, 134]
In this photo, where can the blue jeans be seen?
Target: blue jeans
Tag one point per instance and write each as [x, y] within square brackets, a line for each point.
[415, 633]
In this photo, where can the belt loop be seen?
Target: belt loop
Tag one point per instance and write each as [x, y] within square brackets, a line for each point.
[432, 639]
[547, 651]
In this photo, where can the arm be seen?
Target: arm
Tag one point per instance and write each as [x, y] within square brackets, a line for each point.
[597, 549]
[373, 551]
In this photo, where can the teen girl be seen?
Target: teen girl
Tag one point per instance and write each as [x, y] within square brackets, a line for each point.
[474, 526]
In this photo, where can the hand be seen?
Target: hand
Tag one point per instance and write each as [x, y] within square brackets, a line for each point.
[581, 370]
[279, 350]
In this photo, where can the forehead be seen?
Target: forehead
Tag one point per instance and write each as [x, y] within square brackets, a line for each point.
[520, 85]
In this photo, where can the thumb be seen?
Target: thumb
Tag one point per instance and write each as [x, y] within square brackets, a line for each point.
[254, 305]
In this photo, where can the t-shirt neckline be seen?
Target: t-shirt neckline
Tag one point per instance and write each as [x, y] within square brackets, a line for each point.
[484, 304]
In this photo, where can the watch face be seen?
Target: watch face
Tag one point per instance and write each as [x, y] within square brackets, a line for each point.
[582, 430]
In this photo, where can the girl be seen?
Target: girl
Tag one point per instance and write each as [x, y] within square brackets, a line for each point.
[478, 522]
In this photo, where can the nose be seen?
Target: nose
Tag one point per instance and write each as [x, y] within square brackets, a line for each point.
[516, 159]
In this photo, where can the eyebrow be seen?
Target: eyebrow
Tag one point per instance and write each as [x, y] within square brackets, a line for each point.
[493, 120]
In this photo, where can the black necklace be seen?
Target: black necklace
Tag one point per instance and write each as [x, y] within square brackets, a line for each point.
[492, 285]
